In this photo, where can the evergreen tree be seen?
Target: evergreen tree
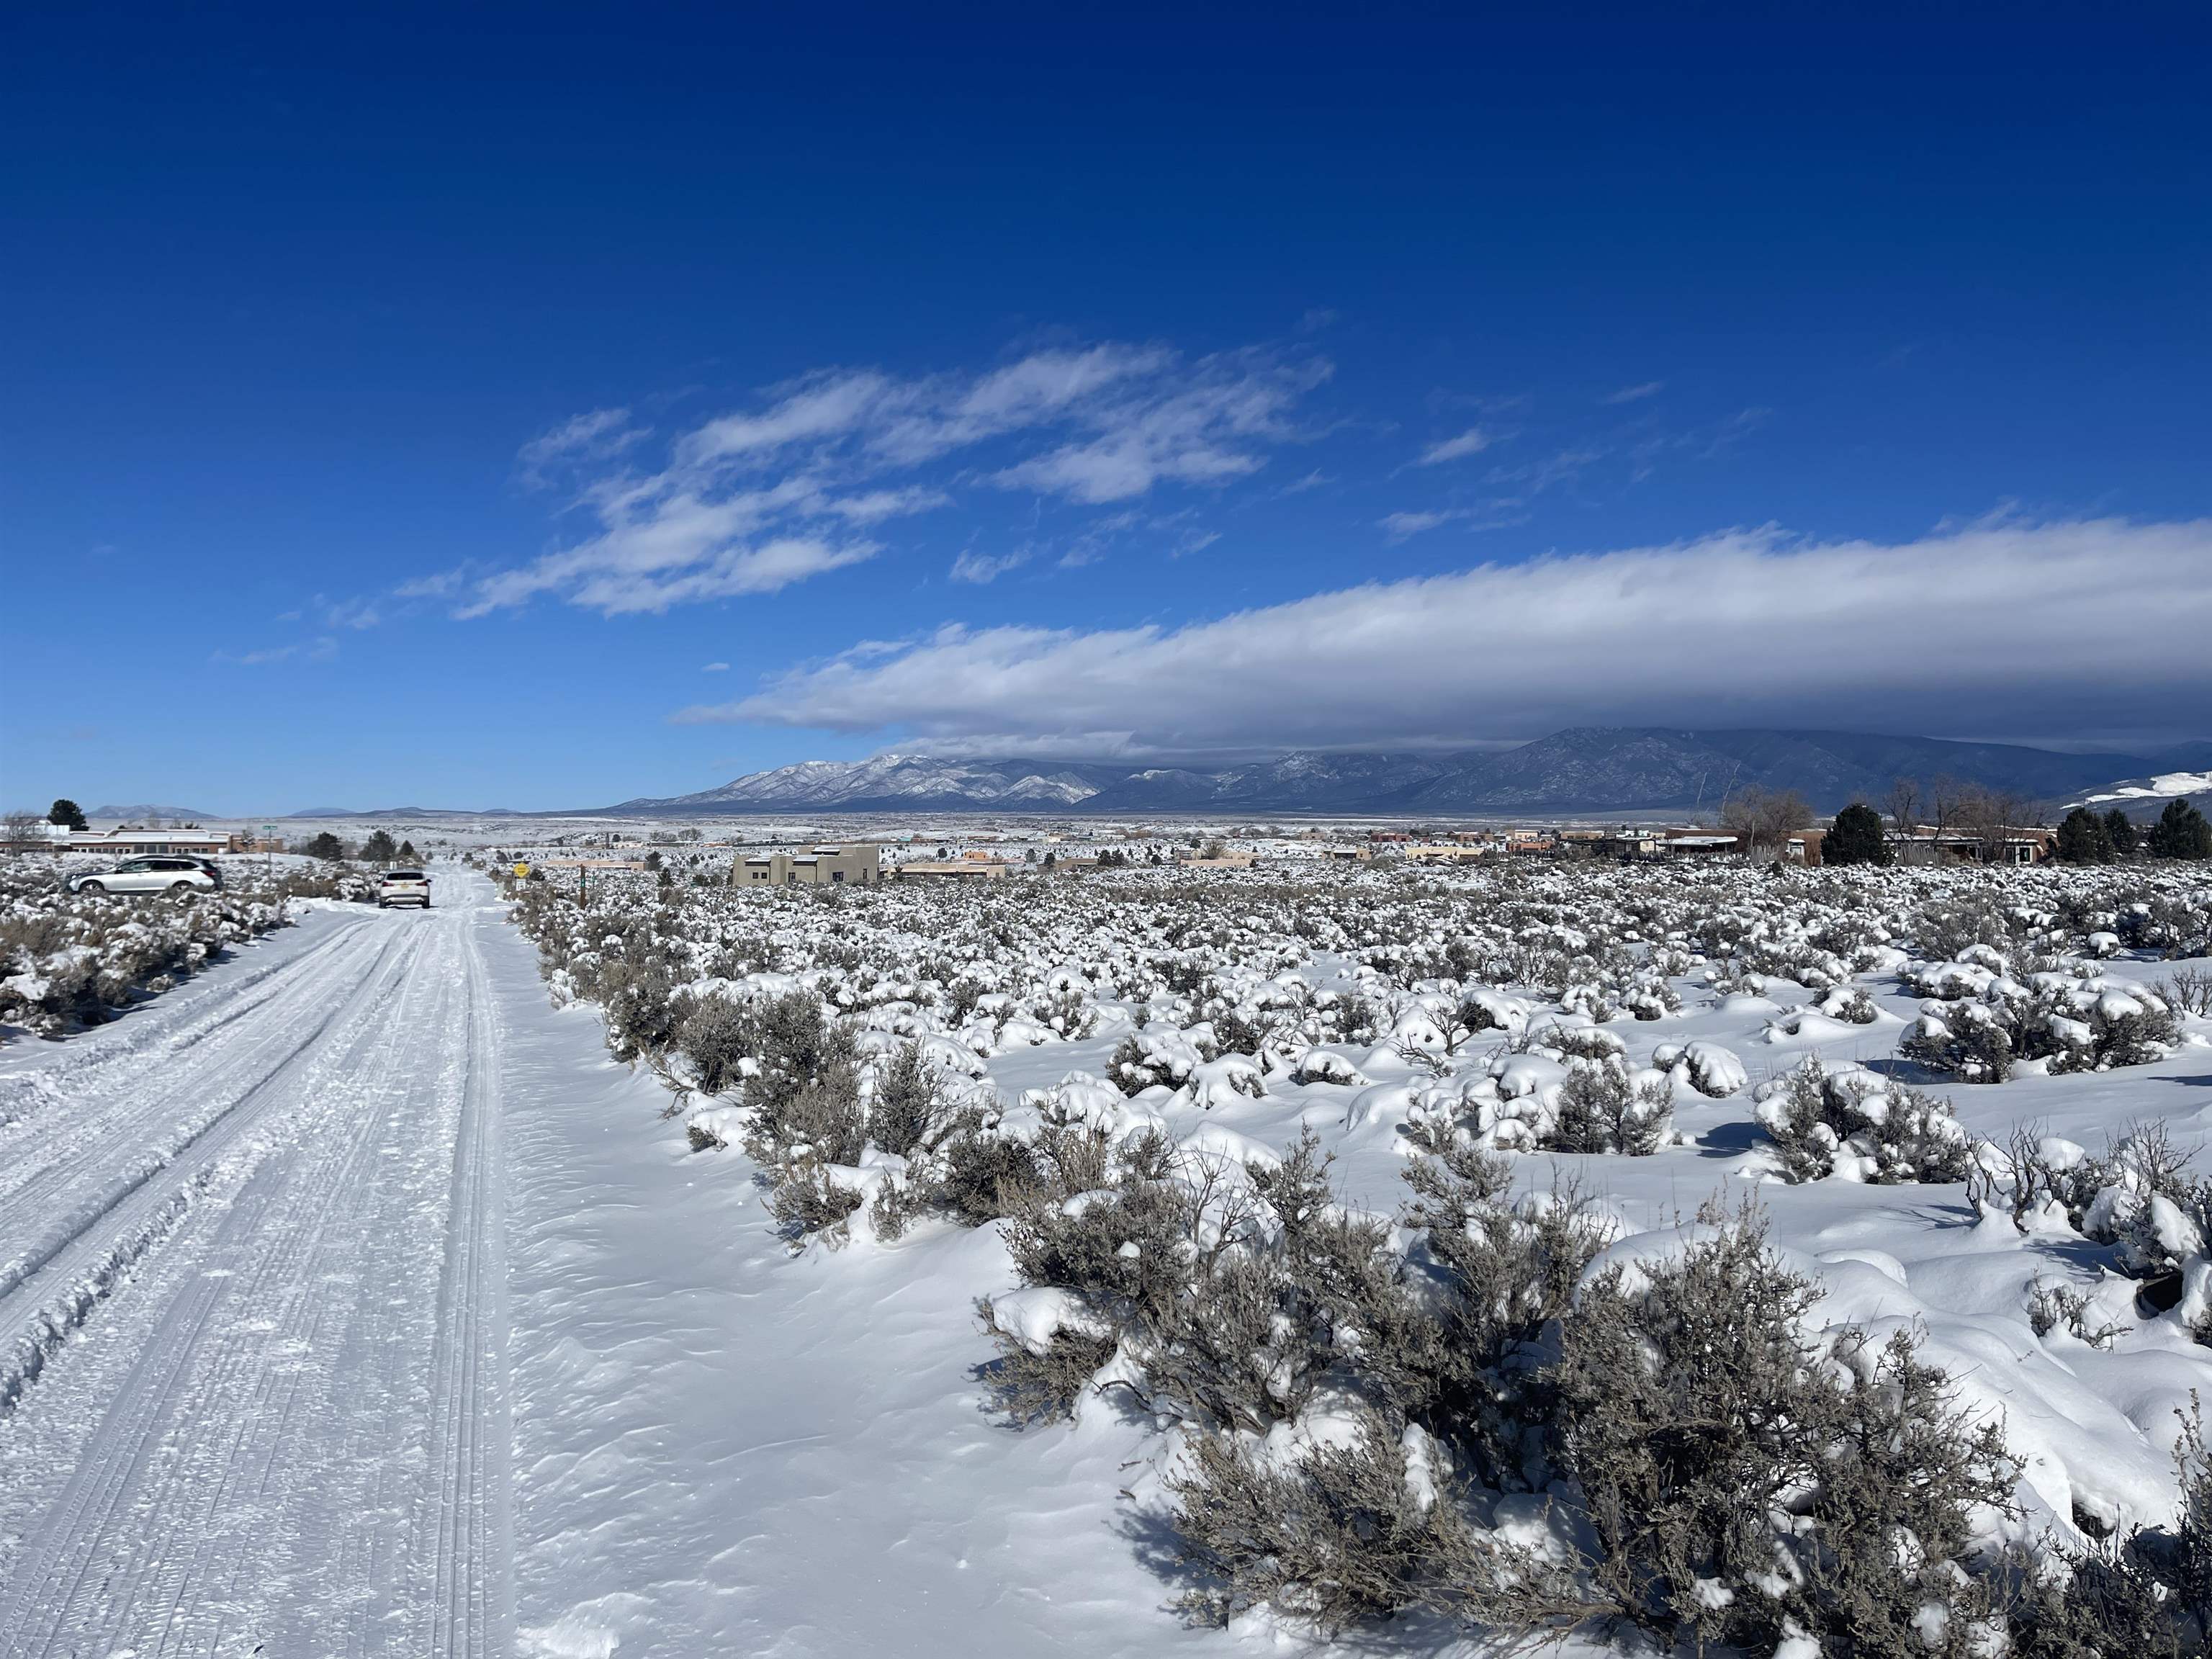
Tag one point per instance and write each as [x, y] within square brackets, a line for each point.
[2120, 830]
[379, 849]
[1856, 837]
[408, 855]
[67, 813]
[2083, 839]
[325, 846]
[2181, 833]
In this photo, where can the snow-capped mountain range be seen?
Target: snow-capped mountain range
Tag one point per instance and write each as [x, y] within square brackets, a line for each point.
[1586, 769]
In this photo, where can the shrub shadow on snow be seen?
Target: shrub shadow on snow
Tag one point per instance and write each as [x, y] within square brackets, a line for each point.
[1149, 1532]
[1731, 1139]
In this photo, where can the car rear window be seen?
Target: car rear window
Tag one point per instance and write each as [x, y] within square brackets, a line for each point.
[405, 875]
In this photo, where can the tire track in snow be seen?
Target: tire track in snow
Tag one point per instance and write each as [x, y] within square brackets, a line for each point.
[73, 1238]
[469, 1534]
[81, 1163]
[289, 1426]
[148, 1035]
[113, 1503]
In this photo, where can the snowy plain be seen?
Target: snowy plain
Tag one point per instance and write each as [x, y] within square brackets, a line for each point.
[354, 1300]
[888, 1461]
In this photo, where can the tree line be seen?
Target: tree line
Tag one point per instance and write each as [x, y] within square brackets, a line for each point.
[1916, 816]
[379, 848]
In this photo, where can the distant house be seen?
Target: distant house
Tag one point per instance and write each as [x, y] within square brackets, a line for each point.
[2020, 846]
[1803, 847]
[1627, 843]
[139, 844]
[965, 869]
[856, 864]
[1444, 852]
[1703, 845]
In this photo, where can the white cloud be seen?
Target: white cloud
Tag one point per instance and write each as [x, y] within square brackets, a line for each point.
[1399, 526]
[740, 496]
[354, 613]
[980, 567]
[874, 506]
[715, 668]
[1490, 515]
[1207, 431]
[1473, 442]
[1994, 626]
[594, 436]
[827, 405]
[1629, 394]
[729, 572]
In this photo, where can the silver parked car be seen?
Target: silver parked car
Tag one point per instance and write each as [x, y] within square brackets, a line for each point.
[151, 875]
[402, 887]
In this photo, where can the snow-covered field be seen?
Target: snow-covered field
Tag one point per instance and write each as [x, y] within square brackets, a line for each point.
[2063, 1300]
[354, 1297]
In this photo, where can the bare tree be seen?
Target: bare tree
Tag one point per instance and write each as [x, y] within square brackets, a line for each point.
[21, 829]
[1902, 803]
[1945, 793]
[1988, 816]
[1765, 819]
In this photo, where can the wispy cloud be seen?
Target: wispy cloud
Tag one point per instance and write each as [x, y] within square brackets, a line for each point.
[1630, 394]
[1399, 526]
[755, 499]
[1209, 429]
[1495, 514]
[354, 613]
[980, 567]
[322, 649]
[1703, 443]
[1535, 478]
[1753, 627]
[598, 435]
[715, 668]
[1473, 442]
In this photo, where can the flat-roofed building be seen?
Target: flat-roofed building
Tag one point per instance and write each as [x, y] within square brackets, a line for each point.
[848, 864]
[961, 869]
[135, 843]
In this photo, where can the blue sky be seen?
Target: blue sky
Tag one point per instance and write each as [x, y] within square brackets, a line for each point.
[539, 405]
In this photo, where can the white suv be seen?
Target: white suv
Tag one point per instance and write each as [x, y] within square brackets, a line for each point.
[150, 875]
[402, 887]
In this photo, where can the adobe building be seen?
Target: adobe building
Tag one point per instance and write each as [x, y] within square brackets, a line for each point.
[849, 864]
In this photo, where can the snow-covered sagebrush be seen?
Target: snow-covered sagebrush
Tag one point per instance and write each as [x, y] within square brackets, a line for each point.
[70, 959]
[1182, 1101]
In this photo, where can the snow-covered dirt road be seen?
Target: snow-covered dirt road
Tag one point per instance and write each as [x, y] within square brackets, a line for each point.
[252, 1330]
